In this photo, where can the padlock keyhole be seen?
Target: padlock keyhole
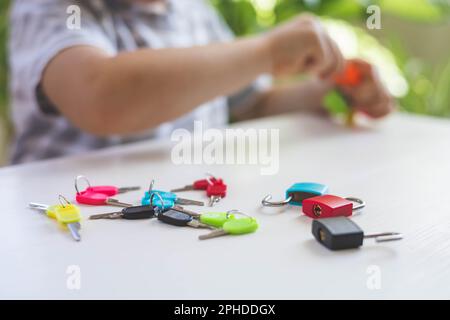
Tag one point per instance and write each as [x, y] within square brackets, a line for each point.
[317, 210]
[321, 235]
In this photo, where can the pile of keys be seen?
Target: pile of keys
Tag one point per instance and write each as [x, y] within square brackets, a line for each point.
[164, 205]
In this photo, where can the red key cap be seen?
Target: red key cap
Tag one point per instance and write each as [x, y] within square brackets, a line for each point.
[328, 206]
[215, 192]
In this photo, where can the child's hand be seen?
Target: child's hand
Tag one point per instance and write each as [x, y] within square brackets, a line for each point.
[370, 96]
[303, 45]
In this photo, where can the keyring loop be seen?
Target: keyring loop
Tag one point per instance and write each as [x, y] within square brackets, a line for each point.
[361, 203]
[160, 198]
[60, 198]
[150, 187]
[79, 178]
[265, 202]
[235, 211]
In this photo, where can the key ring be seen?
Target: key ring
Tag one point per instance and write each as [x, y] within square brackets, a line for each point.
[60, 198]
[235, 211]
[266, 203]
[160, 198]
[150, 187]
[79, 178]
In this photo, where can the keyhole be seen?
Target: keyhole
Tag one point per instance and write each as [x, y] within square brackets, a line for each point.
[321, 235]
[317, 210]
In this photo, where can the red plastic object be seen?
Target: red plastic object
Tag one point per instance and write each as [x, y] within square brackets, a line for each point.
[203, 183]
[218, 189]
[351, 76]
[92, 198]
[327, 206]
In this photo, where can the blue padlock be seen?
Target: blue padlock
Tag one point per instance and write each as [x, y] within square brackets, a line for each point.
[297, 193]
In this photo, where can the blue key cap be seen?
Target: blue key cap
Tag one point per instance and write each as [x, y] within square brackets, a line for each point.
[304, 190]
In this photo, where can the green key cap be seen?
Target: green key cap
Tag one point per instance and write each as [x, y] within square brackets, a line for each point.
[234, 227]
[216, 219]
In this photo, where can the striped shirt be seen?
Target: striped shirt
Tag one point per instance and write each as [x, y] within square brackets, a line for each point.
[39, 32]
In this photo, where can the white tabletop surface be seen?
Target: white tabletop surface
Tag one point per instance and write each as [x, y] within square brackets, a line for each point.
[399, 166]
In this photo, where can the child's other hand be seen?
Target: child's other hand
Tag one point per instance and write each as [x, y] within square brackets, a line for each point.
[303, 45]
[370, 96]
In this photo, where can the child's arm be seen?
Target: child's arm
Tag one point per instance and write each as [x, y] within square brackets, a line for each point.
[142, 89]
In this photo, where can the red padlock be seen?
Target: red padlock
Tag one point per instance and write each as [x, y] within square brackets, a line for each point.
[328, 206]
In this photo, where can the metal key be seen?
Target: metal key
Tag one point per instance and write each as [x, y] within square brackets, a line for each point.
[130, 213]
[180, 219]
[170, 196]
[107, 190]
[198, 184]
[65, 213]
[233, 227]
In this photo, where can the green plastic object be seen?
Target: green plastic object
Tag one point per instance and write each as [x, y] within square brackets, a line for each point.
[216, 219]
[240, 226]
[335, 103]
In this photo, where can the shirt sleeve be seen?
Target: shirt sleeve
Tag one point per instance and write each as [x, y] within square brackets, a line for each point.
[40, 30]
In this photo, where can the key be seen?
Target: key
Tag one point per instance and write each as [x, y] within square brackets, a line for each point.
[99, 199]
[216, 219]
[170, 196]
[130, 213]
[181, 219]
[198, 185]
[162, 205]
[173, 197]
[233, 227]
[215, 192]
[66, 214]
[328, 206]
[297, 193]
[107, 190]
[342, 233]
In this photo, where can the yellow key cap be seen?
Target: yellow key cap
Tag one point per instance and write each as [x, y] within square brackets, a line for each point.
[67, 215]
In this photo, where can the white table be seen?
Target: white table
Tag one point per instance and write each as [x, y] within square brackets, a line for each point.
[400, 166]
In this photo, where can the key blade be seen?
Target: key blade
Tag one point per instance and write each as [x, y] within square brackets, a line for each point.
[191, 213]
[128, 189]
[74, 231]
[189, 202]
[114, 215]
[117, 203]
[38, 206]
[213, 234]
[185, 188]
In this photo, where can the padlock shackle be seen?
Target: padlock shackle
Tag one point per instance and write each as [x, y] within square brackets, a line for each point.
[360, 203]
[267, 203]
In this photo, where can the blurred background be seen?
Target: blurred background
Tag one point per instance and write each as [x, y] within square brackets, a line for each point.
[412, 48]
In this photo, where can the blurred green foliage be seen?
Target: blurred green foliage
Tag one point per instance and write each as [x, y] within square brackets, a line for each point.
[428, 84]
[4, 5]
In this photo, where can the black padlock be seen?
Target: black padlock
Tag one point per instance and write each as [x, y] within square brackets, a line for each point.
[342, 233]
